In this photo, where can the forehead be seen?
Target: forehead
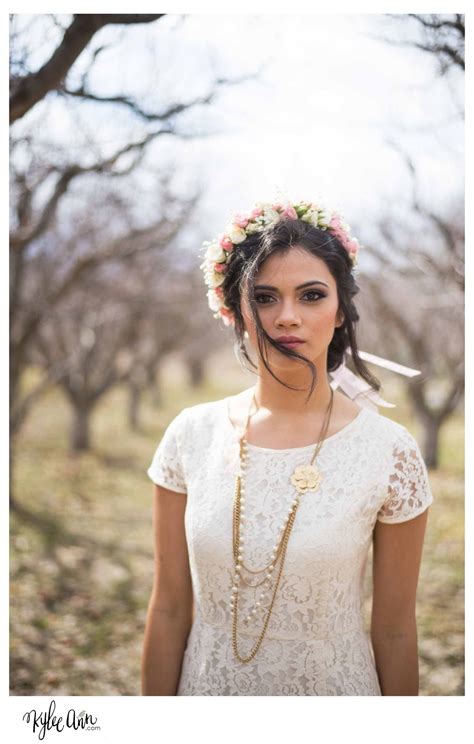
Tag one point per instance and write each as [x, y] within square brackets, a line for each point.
[293, 267]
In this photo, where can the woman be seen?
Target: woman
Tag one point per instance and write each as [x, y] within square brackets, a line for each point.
[267, 502]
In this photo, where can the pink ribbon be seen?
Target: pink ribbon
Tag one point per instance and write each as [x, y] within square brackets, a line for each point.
[355, 387]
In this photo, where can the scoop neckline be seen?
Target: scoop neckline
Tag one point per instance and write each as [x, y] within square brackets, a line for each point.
[348, 427]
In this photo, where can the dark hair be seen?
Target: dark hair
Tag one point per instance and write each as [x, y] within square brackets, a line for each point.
[246, 259]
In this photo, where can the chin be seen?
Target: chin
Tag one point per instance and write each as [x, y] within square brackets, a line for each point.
[280, 360]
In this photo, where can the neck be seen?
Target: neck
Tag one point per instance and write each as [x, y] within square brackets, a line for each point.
[280, 400]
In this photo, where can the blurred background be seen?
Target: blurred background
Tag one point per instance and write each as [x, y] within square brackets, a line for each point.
[133, 138]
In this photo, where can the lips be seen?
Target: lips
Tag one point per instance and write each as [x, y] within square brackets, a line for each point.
[290, 341]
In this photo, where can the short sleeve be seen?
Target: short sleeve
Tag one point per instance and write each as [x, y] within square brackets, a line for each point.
[408, 487]
[166, 467]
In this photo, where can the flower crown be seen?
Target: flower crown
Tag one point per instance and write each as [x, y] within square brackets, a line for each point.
[263, 215]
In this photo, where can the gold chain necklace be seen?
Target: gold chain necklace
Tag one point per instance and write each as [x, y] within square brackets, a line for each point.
[304, 478]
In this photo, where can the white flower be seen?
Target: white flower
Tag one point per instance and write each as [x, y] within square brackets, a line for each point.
[213, 279]
[208, 272]
[311, 216]
[214, 301]
[271, 216]
[236, 234]
[324, 218]
[216, 279]
[253, 227]
[216, 254]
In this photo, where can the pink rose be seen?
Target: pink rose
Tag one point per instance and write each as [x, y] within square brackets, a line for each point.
[291, 213]
[335, 223]
[225, 242]
[256, 213]
[338, 233]
[241, 220]
[220, 268]
[219, 292]
[277, 206]
[227, 316]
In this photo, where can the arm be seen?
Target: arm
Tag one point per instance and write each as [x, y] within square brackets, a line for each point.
[170, 610]
[396, 564]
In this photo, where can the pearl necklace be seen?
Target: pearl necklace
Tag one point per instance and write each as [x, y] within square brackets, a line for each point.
[304, 478]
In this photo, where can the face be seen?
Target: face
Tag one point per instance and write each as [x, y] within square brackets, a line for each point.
[288, 309]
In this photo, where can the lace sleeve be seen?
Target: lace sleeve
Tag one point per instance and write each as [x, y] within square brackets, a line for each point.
[166, 468]
[408, 488]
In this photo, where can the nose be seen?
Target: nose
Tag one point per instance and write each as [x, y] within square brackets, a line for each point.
[288, 314]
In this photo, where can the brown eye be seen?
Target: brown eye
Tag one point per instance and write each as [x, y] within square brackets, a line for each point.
[314, 292]
[259, 297]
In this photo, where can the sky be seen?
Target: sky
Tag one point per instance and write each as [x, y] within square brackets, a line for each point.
[316, 122]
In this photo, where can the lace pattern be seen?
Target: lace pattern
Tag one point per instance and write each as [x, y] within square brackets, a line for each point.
[409, 490]
[166, 468]
[315, 643]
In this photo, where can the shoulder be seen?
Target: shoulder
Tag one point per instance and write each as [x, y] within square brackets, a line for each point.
[402, 461]
[190, 426]
[201, 415]
[382, 424]
[390, 434]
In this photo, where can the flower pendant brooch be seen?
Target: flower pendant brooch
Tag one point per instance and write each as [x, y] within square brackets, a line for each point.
[306, 478]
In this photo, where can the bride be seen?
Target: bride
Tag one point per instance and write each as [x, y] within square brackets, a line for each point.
[267, 502]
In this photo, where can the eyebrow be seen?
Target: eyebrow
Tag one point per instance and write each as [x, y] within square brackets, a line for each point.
[300, 286]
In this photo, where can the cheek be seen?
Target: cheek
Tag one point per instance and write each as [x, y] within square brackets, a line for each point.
[325, 317]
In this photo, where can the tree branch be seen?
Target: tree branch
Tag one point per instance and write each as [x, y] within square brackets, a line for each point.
[129, 248]
[28, 90]
[27, 233]
[174, 110]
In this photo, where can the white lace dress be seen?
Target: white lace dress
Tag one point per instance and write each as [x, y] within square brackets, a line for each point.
[315, 643]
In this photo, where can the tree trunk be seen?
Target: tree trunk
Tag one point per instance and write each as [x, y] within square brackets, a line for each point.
[80, 435]
[11, 483]
[196, 372]
[431, 429]
[16, 421]
[133, 406]
[154, 386]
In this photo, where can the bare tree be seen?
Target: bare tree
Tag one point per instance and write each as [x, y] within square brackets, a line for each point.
[26, 90]
[50, 274]
[52, 278]
[46, 178]
[441, 35]
[176, 319]
[92, 332]
[161, 329]
[420, 310]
